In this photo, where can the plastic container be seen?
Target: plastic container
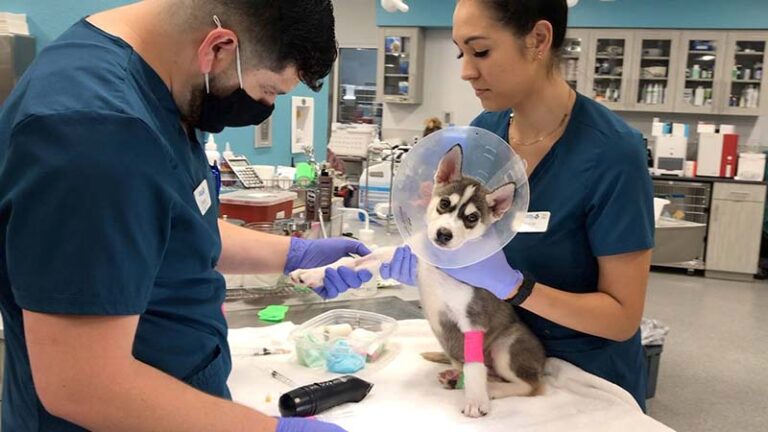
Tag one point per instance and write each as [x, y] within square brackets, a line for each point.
[315, 339]
[257, 206]
[212, 151]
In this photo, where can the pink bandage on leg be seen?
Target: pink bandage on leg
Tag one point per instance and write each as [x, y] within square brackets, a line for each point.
[473, 347]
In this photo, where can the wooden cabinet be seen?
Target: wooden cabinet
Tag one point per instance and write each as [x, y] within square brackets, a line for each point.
[744, 81]
[735, 225]
[610, 63]
[574, 58]
[681, 71]
[654, 76]
[700, 69]
[400, 66]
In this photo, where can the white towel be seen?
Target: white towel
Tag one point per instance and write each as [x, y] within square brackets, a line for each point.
[407, 396]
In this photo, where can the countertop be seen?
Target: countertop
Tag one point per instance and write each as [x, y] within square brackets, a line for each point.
[708, 180]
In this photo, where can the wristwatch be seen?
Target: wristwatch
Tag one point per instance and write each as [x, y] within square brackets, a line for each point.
[526, 287]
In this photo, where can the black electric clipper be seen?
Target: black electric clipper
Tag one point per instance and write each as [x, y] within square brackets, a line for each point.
[318, 397]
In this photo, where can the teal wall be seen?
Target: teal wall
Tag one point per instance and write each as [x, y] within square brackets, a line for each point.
[49, 18]
[705, 14]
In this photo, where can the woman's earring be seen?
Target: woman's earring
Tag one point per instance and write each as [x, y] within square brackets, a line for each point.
[539, 55]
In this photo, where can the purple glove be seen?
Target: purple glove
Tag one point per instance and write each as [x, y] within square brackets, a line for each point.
[402, 268]
[306, 254]
[295, 424]
[493, 274]
[341, 279]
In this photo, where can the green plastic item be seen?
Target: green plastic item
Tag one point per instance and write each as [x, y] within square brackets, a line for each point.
[273, 313]
[460, 383]
[305, 173]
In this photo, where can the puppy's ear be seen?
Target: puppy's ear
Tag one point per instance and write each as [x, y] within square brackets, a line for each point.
[449, 169]
[500, 201]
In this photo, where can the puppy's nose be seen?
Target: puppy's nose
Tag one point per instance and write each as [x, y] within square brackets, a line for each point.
[444, 236]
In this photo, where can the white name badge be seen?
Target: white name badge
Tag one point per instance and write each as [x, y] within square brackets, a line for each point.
[533, 222]
[203, 197]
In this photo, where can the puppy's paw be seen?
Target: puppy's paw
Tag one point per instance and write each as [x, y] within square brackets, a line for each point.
[477, 406]
[312, 278]
[449, 378]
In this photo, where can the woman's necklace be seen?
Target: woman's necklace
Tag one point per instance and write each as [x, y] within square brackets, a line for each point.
[517, 142]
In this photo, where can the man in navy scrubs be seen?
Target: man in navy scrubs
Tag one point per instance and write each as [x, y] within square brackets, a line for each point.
[111, 248]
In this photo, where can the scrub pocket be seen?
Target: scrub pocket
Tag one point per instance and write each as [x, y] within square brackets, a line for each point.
[212, 379]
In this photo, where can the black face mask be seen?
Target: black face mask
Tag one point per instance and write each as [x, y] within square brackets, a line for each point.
[236, 110]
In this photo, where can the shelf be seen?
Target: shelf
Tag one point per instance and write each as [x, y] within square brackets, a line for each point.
[609, 57]
[397, 75]
[747, 81]
[654, 79]
[700, 79]
[702, 52]
[615, 77]
[654, 58]
[397, 54]
[756, 53]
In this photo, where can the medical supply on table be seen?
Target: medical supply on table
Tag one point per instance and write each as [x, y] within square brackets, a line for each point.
[316, 398]
[364, 334]
[282, 378]
[751, 166]
[377, 192]
[273, 313]
[212, 151]
[253, 205]
[485, 158]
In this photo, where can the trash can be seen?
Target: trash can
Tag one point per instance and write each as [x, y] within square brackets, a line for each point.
[653, 334]
[652, 361]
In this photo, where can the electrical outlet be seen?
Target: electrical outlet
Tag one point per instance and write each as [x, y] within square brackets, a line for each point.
[262, 136]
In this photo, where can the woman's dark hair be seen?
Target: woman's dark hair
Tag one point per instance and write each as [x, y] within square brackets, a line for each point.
[281, 33]
[520, 16]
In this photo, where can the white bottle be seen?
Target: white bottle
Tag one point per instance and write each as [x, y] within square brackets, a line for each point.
[698, 96]
[228, 152]
[656, 92]
[212, 151]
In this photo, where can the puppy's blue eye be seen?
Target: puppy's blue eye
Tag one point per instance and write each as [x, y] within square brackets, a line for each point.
[473, 218]
[445, 204]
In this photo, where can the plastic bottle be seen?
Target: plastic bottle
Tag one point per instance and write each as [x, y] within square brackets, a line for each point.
[698, 97]
[212, 151]
[758, 71]
[696, 72]
[228, 152]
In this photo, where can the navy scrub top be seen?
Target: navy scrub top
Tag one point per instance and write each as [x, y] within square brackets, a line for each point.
[98, 217]
[595, 183]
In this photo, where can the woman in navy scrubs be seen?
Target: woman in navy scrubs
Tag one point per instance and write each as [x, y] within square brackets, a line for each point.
[586, 168]
[579, 281]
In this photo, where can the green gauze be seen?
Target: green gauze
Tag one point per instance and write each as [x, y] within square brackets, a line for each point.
[273, 313]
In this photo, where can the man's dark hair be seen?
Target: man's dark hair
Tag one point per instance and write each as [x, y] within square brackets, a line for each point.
[281, 33]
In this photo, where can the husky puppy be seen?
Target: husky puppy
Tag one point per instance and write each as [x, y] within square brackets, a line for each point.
[462, 209]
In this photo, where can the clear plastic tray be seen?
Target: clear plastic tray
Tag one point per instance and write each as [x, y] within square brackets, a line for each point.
[314, 338]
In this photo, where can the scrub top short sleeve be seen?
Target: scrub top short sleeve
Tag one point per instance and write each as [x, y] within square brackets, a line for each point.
[619, 211]
[77, 242]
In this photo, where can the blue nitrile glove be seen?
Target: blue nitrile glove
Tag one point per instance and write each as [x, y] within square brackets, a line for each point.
[493, 273]
[307, 254]
[402, 268]
[336, 281]
[295, 424]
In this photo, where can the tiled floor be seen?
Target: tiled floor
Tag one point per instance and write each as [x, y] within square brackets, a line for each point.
[714, 368]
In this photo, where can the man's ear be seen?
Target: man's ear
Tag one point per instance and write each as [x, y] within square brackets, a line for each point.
[500, 200]
[218, 44]
[449, 169]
